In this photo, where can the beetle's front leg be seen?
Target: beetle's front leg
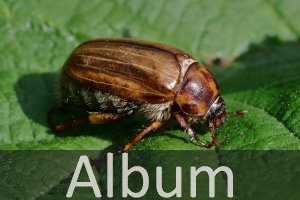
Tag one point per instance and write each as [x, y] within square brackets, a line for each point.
[190, 131]
[214, 139]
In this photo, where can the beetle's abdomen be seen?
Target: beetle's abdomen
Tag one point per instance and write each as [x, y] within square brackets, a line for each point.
[128, 70]
[77, 95]
[74, 94]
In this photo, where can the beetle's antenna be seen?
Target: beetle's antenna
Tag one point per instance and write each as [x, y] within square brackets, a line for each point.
[236, 112]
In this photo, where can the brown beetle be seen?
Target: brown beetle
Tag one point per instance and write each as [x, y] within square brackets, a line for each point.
[115, 78]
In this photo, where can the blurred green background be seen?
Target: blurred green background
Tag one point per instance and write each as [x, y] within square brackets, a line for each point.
[251, 46]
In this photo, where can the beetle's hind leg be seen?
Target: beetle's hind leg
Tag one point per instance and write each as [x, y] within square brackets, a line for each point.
[97, 118]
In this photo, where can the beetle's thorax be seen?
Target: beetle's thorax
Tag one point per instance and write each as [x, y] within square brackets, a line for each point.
[198, 91]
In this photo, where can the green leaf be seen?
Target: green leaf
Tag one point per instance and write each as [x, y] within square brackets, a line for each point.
[259, 39]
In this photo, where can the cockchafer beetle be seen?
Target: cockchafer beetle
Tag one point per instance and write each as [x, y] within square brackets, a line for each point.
[116, 78]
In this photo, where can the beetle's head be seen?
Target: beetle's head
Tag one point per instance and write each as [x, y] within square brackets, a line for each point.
[215, 115]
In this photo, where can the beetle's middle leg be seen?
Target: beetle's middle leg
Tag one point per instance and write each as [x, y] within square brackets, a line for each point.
[97, 118]
[153, 126]
[191, 132]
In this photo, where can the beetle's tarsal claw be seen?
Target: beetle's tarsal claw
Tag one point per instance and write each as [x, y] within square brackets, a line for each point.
[213, 143]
